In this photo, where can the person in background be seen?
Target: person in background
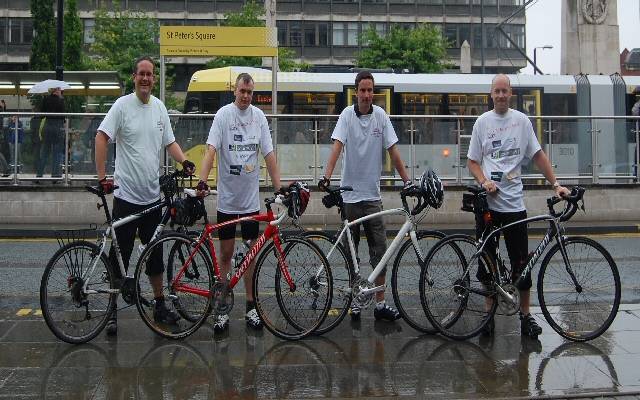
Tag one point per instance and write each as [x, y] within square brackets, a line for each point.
[52, 139]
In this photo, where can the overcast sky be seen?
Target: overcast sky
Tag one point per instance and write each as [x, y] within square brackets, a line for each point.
[543, 28]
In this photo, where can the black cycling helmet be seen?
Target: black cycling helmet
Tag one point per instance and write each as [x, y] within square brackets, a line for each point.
[432, 189]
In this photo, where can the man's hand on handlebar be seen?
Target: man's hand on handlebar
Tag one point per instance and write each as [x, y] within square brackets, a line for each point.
[324, 183]
[489, 186]
[562, 191]
[106, 185]
[202, 189]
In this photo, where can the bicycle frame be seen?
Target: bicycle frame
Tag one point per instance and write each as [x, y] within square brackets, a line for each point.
[407, 227]
[110, 231]
[271, 233]
[554, 230]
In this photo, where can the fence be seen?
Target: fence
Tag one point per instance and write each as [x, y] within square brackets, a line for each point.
[594, 149]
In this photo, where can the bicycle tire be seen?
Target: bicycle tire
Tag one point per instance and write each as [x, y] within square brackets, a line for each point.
[196, 305]
[405, 281]
[276, 304]
[343, 276]
[62, 278]
[567, 310]
[448, 277]
[178, 255]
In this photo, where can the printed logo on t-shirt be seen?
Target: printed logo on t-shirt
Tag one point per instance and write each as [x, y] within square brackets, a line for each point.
[505, 153]
[496, 143]
[160, 126]
[376, 132]
[496, 176]
[237, 138]
[243, 147]
[235, 169]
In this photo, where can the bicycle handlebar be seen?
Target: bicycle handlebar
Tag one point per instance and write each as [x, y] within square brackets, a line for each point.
[577, 193]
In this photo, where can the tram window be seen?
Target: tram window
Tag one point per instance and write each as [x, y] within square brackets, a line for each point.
[210, 102]
[313, 103]
[559, 104]
[420, 104]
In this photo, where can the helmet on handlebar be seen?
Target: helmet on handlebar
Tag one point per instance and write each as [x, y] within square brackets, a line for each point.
[431, 187]
[300, 195]
[187, 211]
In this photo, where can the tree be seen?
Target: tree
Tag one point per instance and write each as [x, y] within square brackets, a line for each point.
[73, 56]
[43, 48]
[248, 16]
[121, 36]
[420, 50]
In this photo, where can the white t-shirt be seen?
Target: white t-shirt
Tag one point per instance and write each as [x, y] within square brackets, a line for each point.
[500, 144]
[365, 139]
[237, 135]
[140, 131]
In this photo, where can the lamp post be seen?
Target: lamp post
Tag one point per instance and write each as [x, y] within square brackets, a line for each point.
[535, 58]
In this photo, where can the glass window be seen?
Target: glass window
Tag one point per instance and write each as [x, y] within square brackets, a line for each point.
[295, 33]
[338, 34]
[283, 32]
[14, 31]
[323, 34]
[309, 34]
[3, 30]
[27, 30]
[451, 34]
[464, 33]
[352, 34]
[89, 26]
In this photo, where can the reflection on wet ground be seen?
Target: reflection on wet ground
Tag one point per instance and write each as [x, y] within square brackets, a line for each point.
[365, 359]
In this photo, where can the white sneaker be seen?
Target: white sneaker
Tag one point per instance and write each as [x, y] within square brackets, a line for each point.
[221, 324]
[253, 319]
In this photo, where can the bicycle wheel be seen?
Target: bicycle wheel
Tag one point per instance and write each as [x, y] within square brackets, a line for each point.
[178, 255]
[456, 301]
[405, 280]
[71, 314]
[293, 314]
[343, 275]
[192, 301]
[583, 309]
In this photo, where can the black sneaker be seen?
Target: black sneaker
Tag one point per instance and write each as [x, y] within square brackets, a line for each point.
[386, 313]
[489, 328]
[221, 324]
[529, 327]
[162, 315]
[112, 324]
[253, 320]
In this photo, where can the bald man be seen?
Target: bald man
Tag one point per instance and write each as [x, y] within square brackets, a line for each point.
[502, 140]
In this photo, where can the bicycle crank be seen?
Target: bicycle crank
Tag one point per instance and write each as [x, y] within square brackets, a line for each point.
[508, 299]
[222, 298]
[362, 299]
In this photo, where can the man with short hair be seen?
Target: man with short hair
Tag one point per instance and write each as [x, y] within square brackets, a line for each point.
[238, 132]
[501, 141]
[139, 125]
[364, 131]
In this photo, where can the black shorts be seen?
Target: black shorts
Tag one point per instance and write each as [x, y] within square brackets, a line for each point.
[144, 226]
[516, 240]
[250, 229]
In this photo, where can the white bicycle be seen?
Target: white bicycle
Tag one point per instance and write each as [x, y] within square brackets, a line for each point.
[343, 260]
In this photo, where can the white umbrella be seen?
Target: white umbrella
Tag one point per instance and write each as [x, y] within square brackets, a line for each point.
[44, 86]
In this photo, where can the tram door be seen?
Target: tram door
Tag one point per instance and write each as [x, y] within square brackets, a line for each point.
[382, 98]
[529, 101]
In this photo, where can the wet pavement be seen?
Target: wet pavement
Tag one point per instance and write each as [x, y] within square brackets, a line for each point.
[357, 360]
[365, 359]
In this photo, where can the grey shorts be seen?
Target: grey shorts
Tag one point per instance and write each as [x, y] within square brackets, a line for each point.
[374, 229]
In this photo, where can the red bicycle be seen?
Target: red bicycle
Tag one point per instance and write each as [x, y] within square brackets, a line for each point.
[292, 282]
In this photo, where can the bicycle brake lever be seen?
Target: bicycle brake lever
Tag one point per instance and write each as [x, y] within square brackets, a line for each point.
[581, 206]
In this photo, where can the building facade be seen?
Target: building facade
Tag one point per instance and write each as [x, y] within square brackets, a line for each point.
[324, 33]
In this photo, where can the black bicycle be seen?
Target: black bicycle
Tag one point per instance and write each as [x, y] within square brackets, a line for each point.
[462, 285]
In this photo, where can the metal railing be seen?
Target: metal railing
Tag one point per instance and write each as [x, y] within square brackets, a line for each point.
[593, 149]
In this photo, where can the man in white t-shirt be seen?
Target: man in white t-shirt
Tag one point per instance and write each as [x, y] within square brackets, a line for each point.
[139, 125]
[502, 140]
[364, 131]
[238, 132]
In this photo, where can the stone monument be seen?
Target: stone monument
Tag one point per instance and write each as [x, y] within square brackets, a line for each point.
[590, 37]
